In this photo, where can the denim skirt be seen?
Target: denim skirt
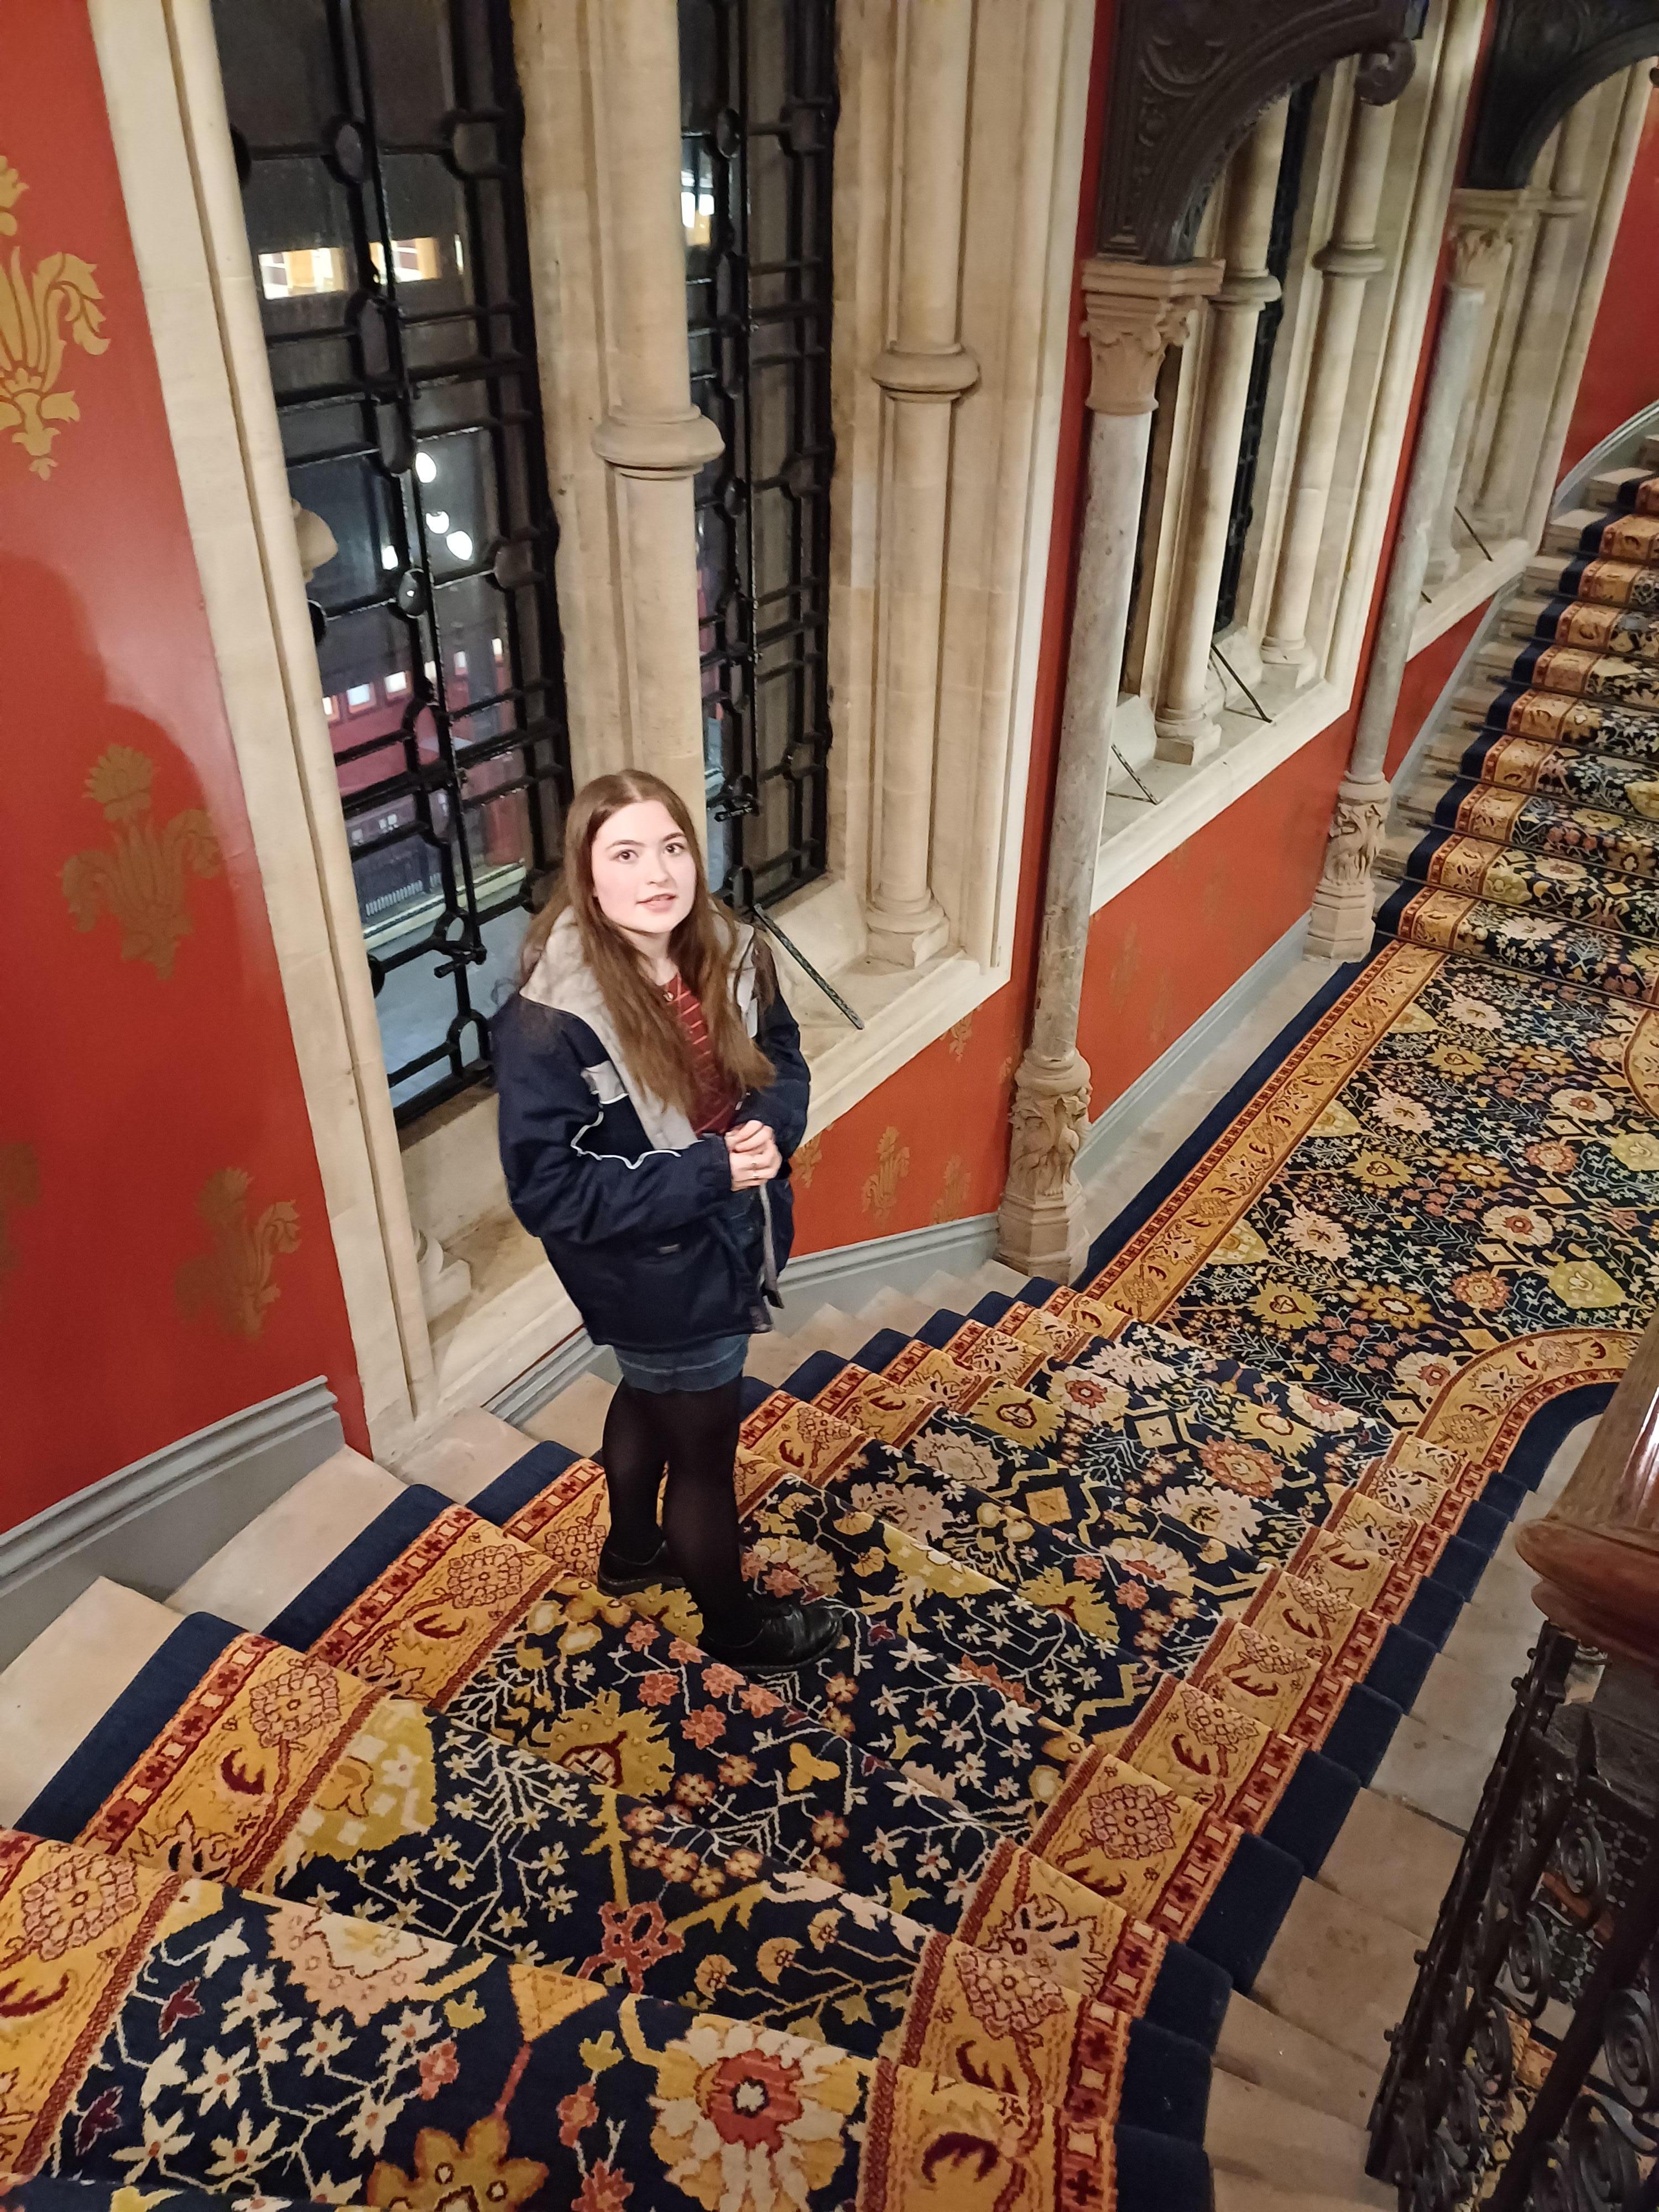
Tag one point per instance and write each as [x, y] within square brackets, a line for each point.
[703, 1366]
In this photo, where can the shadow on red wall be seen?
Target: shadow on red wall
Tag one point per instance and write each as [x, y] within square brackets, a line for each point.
[165, 1252]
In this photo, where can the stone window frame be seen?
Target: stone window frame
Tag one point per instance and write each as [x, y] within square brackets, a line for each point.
[448, 1301]
[1416, 199]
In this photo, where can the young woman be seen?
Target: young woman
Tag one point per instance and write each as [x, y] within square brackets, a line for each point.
[652, 1092]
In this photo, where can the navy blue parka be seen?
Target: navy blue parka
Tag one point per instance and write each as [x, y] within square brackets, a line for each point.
[636, 1213]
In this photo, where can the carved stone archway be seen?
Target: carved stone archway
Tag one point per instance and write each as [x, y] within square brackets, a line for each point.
[1546, 56]
[1189, 80]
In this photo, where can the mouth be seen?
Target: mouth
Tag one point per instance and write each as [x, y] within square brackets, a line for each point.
[657, 905]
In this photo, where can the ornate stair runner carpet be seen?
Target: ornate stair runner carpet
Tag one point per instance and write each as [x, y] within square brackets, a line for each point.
[1137, 1580]
[1543, 855]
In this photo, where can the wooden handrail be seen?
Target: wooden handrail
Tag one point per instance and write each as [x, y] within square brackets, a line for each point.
[1597, 1548]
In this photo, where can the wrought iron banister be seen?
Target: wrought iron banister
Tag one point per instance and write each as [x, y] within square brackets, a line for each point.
[1525, 2075]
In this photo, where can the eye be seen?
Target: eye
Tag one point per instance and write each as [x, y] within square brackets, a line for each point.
[624, 853]
[676, 849]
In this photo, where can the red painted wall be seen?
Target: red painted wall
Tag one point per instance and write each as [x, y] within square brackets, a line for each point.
[165, 1256]
[1622, 375]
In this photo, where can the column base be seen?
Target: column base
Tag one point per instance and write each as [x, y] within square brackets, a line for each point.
[1040, 1224]
[1341, 926]
[1241, 651]
[904, 942]
[1188, 738]
[1293, 652]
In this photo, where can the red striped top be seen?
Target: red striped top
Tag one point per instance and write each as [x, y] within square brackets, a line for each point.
[716, 1107]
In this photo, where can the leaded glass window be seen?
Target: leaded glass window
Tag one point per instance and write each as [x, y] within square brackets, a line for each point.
[758, 113]
[378, 142]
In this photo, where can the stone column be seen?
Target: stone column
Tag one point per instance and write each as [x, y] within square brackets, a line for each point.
[1135, 313]
[1186, 728]
[1500, 504]
[923, 373]
[1340, 928]
[1626, 143]
[1347, 263]
[653, 440]
[1477, 210]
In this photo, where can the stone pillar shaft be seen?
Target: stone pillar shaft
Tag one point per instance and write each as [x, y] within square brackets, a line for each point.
[1513, 454]
[1340, 928]
[923, 373]
[1135, 313]
[1347, 263]
[1471, 208]
[653, 441]
[1186, 729]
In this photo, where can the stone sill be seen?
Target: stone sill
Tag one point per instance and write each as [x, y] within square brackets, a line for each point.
[517, 1312]
[1135, 835]
[1481, 576]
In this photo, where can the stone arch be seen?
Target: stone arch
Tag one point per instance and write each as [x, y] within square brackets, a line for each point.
[1546, 56]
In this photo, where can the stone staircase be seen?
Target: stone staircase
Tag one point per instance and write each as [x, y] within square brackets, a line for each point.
[1079, 1560]
[1530, 836]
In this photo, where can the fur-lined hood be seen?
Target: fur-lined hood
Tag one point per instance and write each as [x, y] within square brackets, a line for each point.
[563, 980]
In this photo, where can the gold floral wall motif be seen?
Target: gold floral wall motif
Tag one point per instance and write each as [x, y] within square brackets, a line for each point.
[141, 877]
[19, 1185]
[233, 1279]
[881, 1188]
[960, 1034]
[804, 1164]
[42, 312]
[952, 1201]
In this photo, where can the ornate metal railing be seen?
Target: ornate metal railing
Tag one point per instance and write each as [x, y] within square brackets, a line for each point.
[1525, 2075]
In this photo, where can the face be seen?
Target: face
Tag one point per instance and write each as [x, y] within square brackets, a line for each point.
[645, 874]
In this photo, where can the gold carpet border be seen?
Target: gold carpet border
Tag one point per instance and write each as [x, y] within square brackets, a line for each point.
[1488, 1402]
[1642, 1063]
[1162, 1258]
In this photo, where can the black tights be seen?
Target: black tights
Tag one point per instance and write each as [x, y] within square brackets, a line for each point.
[694, 1433]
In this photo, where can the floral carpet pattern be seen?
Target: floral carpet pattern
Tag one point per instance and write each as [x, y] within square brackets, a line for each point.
[464, 1884]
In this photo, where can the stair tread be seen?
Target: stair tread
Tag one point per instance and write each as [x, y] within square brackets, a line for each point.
[575, 1417]
[266, 1564]
[63, 1683]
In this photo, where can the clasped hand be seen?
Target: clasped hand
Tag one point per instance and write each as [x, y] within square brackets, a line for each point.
[754, 1155]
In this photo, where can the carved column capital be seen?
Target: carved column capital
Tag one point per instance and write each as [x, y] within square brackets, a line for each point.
[1482, 231]
[1135, 313]
[1340, 927]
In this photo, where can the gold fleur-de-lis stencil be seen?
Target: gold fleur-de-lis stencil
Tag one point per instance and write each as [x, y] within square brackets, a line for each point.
[952, 1201]
[892, 1165]
[960, 1033]
[42, 312]
[233, 1279]
[19, 1185]
[805, 1165]
[141, 879]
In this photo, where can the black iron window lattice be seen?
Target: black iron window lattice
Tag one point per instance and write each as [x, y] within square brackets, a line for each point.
[758, 112]
[378, 147]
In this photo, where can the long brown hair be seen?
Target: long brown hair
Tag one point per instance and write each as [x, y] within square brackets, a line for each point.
[704, 947]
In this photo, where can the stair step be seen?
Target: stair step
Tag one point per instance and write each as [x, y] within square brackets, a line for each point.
[1256, 2045]
[60, 1686]
[466, 1455]
[265, 1565]
[894, 1310]
[1584, 889]
[1607, 490]
[1252, 2132]
[772, 1356]
[1341, 1972]
[1242, 2192]
[575, 1417]
[829, 1329]
[1649, 453]
[1394, 1860]
[1565, 532]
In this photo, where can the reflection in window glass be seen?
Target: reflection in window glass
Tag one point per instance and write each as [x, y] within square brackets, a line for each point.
[757, 114]
[377, 145]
